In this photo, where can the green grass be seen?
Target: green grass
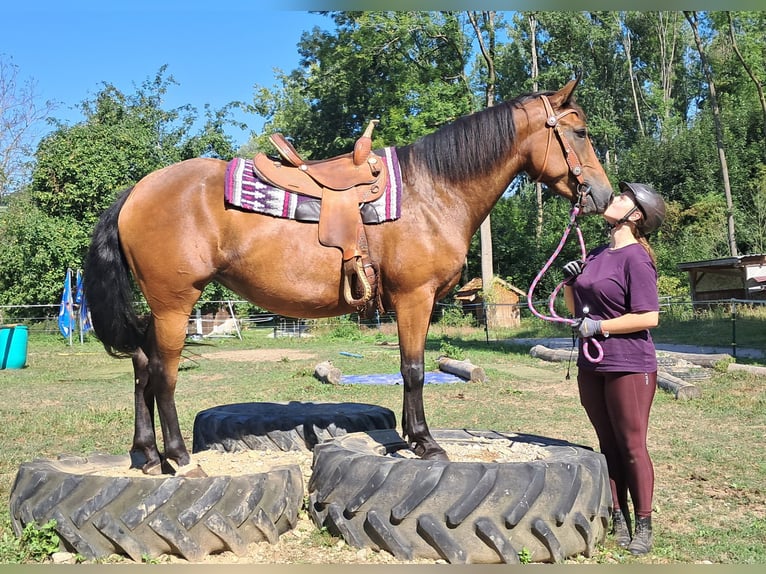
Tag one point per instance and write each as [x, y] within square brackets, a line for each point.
[710, 499]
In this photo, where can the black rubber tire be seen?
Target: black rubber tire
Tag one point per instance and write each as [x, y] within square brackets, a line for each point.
[462, 512]
[283, 426]
[142, 516]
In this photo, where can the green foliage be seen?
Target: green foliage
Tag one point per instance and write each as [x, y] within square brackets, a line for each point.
[454, 317]
[37, 249]
[343, 328]
[406, 69]
[10, 548]
[525, 556]
[669, 286]
[39, 542]
[447, 349]
[80, 169]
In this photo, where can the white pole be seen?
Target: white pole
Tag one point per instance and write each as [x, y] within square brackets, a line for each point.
[236, 323]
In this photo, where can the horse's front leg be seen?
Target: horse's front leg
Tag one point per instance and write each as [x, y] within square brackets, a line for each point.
[413, 328]
[144, 453]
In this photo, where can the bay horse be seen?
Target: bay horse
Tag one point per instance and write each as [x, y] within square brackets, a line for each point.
[173, 232]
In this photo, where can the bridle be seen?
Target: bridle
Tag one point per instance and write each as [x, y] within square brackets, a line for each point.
[575, 168]
[570, 155]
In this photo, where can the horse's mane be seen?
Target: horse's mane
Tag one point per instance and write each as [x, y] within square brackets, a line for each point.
[468, 146]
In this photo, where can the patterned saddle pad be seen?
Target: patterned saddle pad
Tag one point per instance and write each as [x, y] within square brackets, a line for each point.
[243, 189]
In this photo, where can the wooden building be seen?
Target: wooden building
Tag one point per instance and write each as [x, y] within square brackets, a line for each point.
[502, 303]
[740, 277]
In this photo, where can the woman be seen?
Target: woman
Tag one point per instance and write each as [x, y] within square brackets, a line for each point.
[613, 293]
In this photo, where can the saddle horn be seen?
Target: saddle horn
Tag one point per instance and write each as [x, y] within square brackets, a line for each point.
[363, 145]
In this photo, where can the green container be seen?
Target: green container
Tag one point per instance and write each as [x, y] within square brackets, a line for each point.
[13, 347]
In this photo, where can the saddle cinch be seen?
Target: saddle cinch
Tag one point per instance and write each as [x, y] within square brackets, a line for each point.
[343, 186]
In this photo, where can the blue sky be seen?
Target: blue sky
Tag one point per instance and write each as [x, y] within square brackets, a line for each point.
[216, 52]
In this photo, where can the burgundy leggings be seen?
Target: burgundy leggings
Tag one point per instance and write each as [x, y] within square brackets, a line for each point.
[618, 406]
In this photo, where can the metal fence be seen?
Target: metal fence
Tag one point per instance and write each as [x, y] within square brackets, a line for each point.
[733, 323]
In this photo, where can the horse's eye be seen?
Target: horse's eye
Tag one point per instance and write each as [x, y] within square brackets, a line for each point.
[581, 133]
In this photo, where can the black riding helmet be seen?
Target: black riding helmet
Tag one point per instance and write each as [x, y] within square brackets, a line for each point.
[649, 202]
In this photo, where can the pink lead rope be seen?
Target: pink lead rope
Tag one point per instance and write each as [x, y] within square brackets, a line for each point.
[553, 316]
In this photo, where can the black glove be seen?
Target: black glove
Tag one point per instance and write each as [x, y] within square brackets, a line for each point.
[572, 270]
[587, 327]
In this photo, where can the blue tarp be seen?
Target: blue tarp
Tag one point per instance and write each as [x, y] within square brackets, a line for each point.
[431, 378]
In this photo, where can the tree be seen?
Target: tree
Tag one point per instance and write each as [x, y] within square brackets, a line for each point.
[406, 69]
[755, 213]
[752, 61]
[79, 171]
[21, 113]
[692, 17]
[626, 45]
[657, 49]
[37, 249]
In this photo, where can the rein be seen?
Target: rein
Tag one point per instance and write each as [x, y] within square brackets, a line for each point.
[575, 167]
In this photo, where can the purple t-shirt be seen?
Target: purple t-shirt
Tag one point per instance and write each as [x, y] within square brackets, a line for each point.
[615, 282]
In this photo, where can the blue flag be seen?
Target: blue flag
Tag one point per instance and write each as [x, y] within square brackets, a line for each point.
[79, 299]
[66, 314]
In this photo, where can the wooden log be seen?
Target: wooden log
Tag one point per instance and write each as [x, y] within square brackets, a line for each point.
[327, 373]
[754, 369]
[464, 369]
[546, 354]
[681, 389]
[701, 359]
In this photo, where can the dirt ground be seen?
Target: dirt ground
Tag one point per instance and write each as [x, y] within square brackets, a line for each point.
[256, 355]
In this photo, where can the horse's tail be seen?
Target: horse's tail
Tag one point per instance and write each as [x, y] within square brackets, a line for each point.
[108, 287]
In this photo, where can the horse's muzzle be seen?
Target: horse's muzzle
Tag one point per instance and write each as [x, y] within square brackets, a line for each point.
[593, 201]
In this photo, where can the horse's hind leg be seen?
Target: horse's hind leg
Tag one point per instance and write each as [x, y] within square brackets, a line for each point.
[167, 334]
[144, 453]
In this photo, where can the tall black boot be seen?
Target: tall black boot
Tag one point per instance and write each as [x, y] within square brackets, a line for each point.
[621, 528]
[642, 539]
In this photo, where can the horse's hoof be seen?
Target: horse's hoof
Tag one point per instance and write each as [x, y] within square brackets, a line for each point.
[435, 454]
[430, 452]
[190, 470]
[154, 469]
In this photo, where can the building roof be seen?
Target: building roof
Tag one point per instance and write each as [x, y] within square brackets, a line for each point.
[725, 262]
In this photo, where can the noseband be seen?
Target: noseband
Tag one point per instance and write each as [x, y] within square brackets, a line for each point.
[575, 167]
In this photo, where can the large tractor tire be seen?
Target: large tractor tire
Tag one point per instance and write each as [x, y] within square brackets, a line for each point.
[99, 511]
[283, 426]
[547, 508]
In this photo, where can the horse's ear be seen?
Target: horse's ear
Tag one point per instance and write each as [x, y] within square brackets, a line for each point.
[564, 95]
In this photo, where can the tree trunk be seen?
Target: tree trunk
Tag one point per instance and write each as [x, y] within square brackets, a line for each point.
[488, 53]
[535, 72]
[667, 35]
[708, 71]
[626, 43]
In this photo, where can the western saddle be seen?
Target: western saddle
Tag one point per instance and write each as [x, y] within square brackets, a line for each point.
[342, 185]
